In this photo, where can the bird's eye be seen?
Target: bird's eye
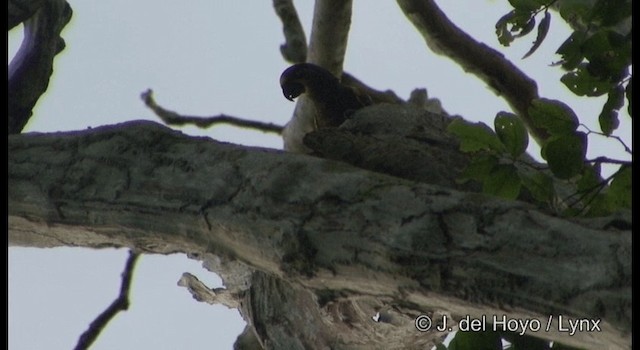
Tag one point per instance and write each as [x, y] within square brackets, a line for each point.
[292, 90]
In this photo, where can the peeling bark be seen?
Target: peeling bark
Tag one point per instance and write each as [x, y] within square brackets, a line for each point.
[318, 245]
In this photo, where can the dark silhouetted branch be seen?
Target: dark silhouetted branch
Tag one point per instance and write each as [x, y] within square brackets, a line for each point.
[120, 304]
[173, 118]
[31, 68]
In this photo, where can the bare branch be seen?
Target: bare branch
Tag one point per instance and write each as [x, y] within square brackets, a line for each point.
[120, 304]
[624, 145]
[31, 68]
[294, 50]
[173, 118]
[444, 37]
[604, 159]
[327, 47]
[329, 34]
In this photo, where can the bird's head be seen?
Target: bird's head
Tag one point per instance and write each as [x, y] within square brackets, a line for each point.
[306, 78]
[291, 82]
[292, 89]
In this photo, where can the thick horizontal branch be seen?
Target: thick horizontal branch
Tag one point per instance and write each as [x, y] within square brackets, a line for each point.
[320, 225]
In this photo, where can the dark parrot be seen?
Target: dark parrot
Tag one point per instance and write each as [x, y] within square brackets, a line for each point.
[333, 101]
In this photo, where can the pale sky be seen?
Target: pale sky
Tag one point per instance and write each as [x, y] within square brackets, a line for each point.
[207, 58]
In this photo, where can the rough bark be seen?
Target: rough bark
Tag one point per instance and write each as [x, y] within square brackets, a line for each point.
[311, 249]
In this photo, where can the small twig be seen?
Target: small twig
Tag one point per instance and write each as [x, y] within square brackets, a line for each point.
[120, 304]
[294, 50]
[603, 159]
[589, 131]
[593, 191]
[173, 118]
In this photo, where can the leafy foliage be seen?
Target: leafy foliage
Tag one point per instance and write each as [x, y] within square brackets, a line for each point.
[512, 133]
[499, 164]
[499, 176]
[475, 137]
[565, 154]
[596, 58]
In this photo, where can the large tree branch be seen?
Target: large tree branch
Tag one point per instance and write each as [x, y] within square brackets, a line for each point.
[320, 227]
[19, 11]
[444, 37]
[31, 68]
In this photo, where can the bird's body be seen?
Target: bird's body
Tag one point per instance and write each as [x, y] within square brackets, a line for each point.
[333, 101]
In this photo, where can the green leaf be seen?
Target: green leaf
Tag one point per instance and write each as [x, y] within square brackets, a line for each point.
[565, 154]
[476, 341]
[526, 5]
[609, 55]
[589, 179]
[440, 346]
[539, 185]
[512, 133]
[518, 22]
[582, 83]
[504, 35]
[570, 50]
[554, 116]
[474, 136]
[599, 204]
[610, 13]
[503, 182]
[560, 346]
[527, 28]
[543, 29]
[527, 342]
[620, 189]
[627, 92]
[609, 116]
[576, 12]
[479, 168]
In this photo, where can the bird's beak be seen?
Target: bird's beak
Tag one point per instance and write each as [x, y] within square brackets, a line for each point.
[288, 96]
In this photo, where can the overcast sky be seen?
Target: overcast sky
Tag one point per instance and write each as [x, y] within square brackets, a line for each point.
[204, 58]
